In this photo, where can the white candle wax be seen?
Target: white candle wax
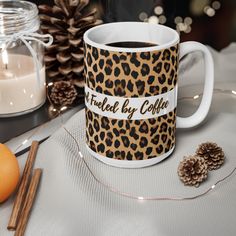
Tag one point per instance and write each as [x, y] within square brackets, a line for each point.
[19, 89]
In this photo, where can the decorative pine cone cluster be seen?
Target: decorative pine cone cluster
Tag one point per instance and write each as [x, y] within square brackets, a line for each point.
[194, 169]
[66, 21]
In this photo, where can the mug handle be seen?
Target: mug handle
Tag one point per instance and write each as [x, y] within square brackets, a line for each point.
[201, 113]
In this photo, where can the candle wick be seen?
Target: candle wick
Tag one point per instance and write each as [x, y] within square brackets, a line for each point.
[6, 66]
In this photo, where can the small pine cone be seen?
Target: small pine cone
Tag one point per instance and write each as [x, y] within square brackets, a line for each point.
[63, 93]
[212, 153]
[192, 170]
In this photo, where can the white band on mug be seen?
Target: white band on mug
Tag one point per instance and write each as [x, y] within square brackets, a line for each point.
[130, 108]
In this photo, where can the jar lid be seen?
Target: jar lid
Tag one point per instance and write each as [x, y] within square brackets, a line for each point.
[17, 16]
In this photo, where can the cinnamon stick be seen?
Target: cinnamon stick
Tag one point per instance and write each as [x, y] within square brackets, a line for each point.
[29, 200]
[23, 186]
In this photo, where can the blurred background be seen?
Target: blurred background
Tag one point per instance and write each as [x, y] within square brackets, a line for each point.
[210, 22]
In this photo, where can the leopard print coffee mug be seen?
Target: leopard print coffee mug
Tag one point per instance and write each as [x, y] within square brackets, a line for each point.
[131, 93]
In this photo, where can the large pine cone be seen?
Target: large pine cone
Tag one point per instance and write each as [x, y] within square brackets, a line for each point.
[66, 21]
[212, 153]
[192, 170]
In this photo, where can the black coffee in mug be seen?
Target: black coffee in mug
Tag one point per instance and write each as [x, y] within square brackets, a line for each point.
[131, 44]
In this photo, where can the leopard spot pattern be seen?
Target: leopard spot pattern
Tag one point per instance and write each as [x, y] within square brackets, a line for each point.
[146, 73]
[130, 140]
[139, 74]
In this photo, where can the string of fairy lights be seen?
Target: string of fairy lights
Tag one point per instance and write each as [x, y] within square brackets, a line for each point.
[182, 24]
[140, 197]
[59, 111]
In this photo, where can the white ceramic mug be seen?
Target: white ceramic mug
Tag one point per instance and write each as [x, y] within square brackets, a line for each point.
[131, 93]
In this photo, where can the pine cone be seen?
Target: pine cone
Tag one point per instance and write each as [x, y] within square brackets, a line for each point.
[192, 170]
[63, 93]
[66, 21]
[212, 153]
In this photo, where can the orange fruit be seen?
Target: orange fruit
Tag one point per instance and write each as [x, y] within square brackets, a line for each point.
[9, 172]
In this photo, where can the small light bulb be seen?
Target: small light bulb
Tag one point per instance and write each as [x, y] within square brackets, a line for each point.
[24, 142]
[63, 108]
[140, 198]
[81, 155]
[5, 57]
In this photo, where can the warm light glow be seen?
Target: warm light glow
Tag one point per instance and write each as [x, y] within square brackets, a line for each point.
[196, 97]
[81, 155]
[178, 19]
[143, 15]
[153, 20]
[50, 84]
[182, 26]
[233, 92]
[209, 11]
[5, 57]
[24, 142]
[140, 198]
[158, 10]
[63, 108]
[188, 30]
[162, 19]
[206, 8]
[196, 6]
[216, 5]
[188, 20]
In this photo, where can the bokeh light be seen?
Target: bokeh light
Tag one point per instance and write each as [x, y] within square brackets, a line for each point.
[153, 20]
[143, 15]
[178, 19]
[158, 10]
[216, 5]
[162, 19]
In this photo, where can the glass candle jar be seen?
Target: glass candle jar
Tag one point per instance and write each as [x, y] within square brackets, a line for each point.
[22, 71]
